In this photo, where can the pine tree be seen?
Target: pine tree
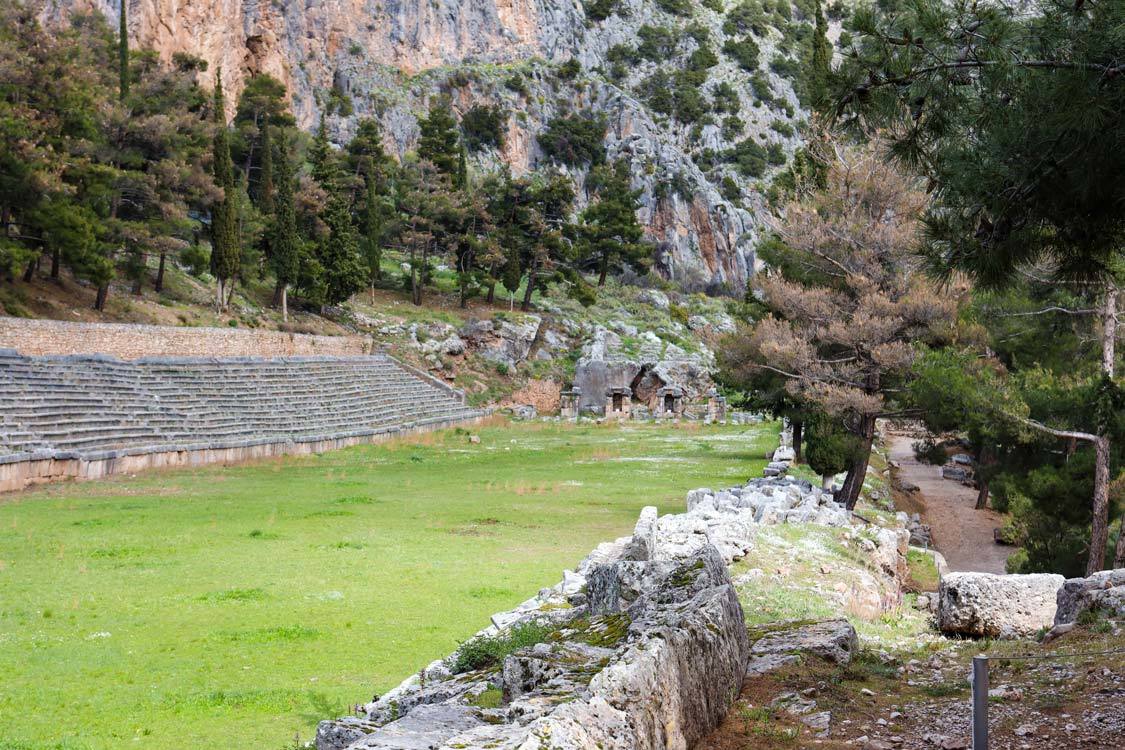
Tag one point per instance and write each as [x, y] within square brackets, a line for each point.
[611, 233]
[439, 142]
[1017, 129]
[225, 241]
[123, 50]
[378, 215]
[285, 244]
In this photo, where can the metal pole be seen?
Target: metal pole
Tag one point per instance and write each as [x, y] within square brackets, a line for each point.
[980, 702]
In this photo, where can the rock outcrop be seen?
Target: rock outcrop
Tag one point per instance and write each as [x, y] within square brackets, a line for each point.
[997, 606]
[387, 59]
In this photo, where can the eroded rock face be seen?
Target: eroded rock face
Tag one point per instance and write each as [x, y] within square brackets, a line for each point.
[997, 606]
[389, 58]
[1102, 591]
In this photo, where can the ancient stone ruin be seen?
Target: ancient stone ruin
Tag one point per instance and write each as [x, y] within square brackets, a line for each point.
[652, 380]
[642, 647]
[86, 416]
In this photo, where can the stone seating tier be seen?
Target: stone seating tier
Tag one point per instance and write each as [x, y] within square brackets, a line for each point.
[93, 407]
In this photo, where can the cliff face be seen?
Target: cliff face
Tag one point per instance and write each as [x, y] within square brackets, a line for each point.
[387, 58]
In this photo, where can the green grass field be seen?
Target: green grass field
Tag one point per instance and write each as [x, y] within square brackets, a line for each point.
[235, 607]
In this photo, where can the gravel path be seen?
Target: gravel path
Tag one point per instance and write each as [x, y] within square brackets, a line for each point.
[961, 533]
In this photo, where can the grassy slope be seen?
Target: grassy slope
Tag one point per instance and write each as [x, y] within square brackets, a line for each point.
[233, 607]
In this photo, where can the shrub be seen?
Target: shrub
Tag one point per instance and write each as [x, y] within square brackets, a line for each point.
[761, 86]
[729, 189]
[489, 651]
[675, 7]
[786, 67]
[658, 43]
[746, 17]
[516, 83]
[715, 5]
[599, 10]
[724, 98]
[783, 128]
[575, 140]
[732, 127]
[570, 69]
[678, 95]
[743, 51]
[775, 154]
[748, 157]
[483, 127]
[703, 59]
[355, 49]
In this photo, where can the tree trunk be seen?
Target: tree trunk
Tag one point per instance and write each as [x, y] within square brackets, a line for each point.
[232, 285]
[604, 270]
[159, 285]
[278, 289]
[491, 292]
[29, 274]
[219, 295]
[56, 261]
[984, 460]
[857, 468]
[1099, 523]
[103, 293]
[138, 284]
[526, 304]
[285, 303]
[798, 438]
[1119, 554]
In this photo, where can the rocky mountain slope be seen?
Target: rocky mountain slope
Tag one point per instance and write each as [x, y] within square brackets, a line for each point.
[699, 96]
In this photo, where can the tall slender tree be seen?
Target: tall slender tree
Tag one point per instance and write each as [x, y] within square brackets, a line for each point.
[285, 242]
[225, 240]
[123, 50]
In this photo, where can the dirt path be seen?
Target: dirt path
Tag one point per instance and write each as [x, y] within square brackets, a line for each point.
[961, 533]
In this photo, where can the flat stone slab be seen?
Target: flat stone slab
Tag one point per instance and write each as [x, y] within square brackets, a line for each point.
[832, 640]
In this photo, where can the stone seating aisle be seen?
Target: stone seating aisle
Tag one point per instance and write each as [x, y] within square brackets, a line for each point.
[94, 407]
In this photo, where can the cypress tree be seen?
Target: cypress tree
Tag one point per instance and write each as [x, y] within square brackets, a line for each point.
[821, 63]
[285, 243]
[265, 179]
[461, 179]
[225, 245]
[123, 50]
[343, 273]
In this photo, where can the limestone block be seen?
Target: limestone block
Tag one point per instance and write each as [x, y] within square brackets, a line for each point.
[1104, 590]
[998, 606]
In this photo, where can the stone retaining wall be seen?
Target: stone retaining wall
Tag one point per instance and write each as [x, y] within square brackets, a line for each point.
[129, 341]
[17, 475]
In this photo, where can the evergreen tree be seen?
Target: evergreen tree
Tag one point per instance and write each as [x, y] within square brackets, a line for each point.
[820, 61]
[225, 240]
[325, 166]
[611, 234]
[343, 272]
[285, 242]
[378, 224]
[265, 176]
[438, 142]
[123, 50]
[1015, 115]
